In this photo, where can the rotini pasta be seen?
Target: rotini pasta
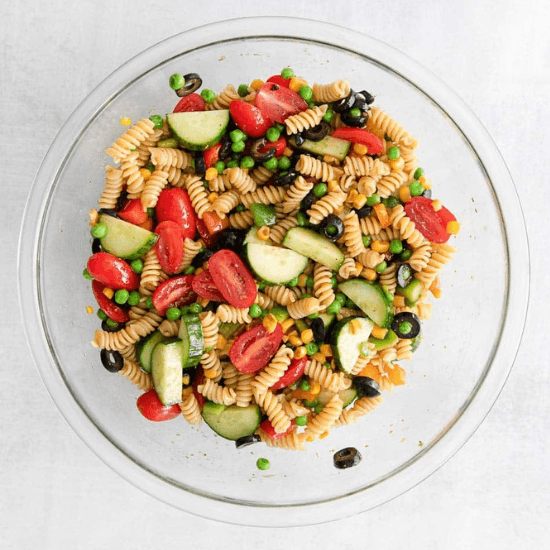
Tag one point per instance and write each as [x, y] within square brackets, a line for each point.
[365, 166]
[353, 238]
[133, 372]
[296, 193]
[268, 194]
[198, 195]
[304, 307]
[331, 202]
[305, 120]
[380, 121]
[131, 139]
[327, 93]
[322, 285]
[113, 187]
[310, 166]
[152, 189]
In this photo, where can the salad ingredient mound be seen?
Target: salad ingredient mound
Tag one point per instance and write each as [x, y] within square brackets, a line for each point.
[263, 259]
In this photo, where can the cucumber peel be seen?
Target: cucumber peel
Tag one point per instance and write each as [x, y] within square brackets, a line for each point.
[167, 373]
[312, 245]
[346, 340]
[371, 299]
[125, 240]
[192, 339]
[231, 422]
[198, 130]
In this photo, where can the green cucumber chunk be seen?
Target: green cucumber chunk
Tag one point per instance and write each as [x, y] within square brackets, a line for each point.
[125, 240]
[146, 347]
[192, 340]
[347, 396]
[371, 299]
[198, 130]
[346, 342]
[329, 145]
[327, 318]
[416, 342]
[411, 292]
[314, 246]
[300, 325]
[232, 422]
[263, 214]
[274, 265]
[382, 343]
[227, 330]
[167, 371]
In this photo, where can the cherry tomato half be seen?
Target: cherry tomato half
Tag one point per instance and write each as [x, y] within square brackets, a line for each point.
[280, 146]
[175, 205]
[278, 102]
[267, 427]
[278, 79]
[249, 118]
[211, 227]
[169, 247]
[232, 278]
[113, 311]
[175, 292]
[254, 348]
[360, 135]
[150, 407]
[189, 103]
[431, 223]
[212, 155]
[132, 212]
[112, 271]
[294, 372]
[205, 287]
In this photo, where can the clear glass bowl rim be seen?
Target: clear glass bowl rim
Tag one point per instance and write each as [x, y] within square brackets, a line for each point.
[513, 225]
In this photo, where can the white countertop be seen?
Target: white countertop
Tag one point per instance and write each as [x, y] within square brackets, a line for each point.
[493, 494]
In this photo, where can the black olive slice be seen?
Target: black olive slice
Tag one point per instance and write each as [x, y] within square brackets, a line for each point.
[332, 227]
[354, 121]
[344, 104]
[202, 257]
[411, 319]
[317, 133]
[319, 331]
[307, 201]
[363, 212]
[192, 83]
[427, 193]
[112, 360]
[96, 246]
[231, 238]
[347, 458]
[299, 139]
[247, 440]
[367, 386]
[121, 201]
[368, 97]
[286, 179]
[200, 164]
[106, 328]
[225, 150]
[404, 275]
[255, 153]
[189, 376]
[108, 212]
[360, 102]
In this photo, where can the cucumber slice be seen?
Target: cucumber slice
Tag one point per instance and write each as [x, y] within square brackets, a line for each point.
[386, 342]
[327, 318]
[252, 238]
[329, 145]
[371, 298]
[146, 348]
[411, 292]
[274, 265]
[232, 422]
[347, 396]
[314, 246]
[346, 343]
[125, 240]
[167, 371]
[192, 340]
[198, 130]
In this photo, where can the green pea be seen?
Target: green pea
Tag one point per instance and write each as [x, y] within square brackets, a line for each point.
[406, 254]
[121, 296]
[373, 199]
[333, 282]
[237, 135]
[262, 464]
[242, 90]
[313, 315]
[233, 164]
[318, 408]
[220, 166]
[331, 230]
[173, 314]
[208, 95]
[287, 73]
[293, 282]
[238, 146]
[329, 115]
[300, 420]
[271, 164]
[137, 265]
[273, 134]
[405, 327]
[312, 105]
[304, 385]
[394, 152]
[416, 188]
[382, 266]
[151, 168]
[240, 208]
[111, 323]
[255, 311]
[391, 202]
[309, 282]
[201, 249]
[283, 163]
[99, 231]
[261, 286]
[334, 308]
[247, 162]
[302, 219]
[418, 173]
[264, 314]
[189, 270]
[101, 314]
[195, 308]
[86, 275]
[396, 246]
[320, 190]
[279, 312]
[184, 310]
[149, 302]
[176, 81]
[150, 212]
[306, 93]
[134, 298]
[157, 121]
[327, 365]
[312, 348]
[341, 297]
[313, 403]
[366, 240]
[350, 304]
[279, 126]
[354, 113]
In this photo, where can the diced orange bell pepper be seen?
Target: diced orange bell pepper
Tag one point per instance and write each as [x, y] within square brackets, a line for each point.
[397, 375]
[371, 371]
[148, 224]
[382, 214]
[301, 394]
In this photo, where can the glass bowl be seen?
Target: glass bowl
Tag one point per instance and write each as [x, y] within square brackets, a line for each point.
[454, 378]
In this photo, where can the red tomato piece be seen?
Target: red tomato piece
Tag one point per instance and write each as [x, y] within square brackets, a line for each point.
[294, 372]
[232, 278]
[250, 119]
[211, 227]
[278, 79]
[280, 146]
[278, 102]
[205, 287]
[112, 271]
[199, 379]
[132, 212]
[169, 246]
[212, 155]
[175, 205]
[361, 136]
[113, 311]
[254, 348]
[175, 292]
[432, 224]
[150, 407]
[267, 427]
[189, 103]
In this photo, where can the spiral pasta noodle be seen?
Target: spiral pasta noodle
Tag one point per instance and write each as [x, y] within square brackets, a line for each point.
[322, 422]
[268, 194]
[322, 285]
[390, 183]
[242, 220]
[333, 381]
[264, 301]
[304, 307]
[361, 407]
[327, 93]
[151, 274]
[143, 148]
[132, 371]
[296, 193]
[403, 350]
[399, 220]
[131, 139]
[420, 257]
[442, 254]
[225, 203]
[216, 393]
[230, 375]
[310, 166]
[279, 230]
[370, 225]
[366, 185]
[220, 183]
[210, 327]
[349, 269]
[113, 187]
[388, 278]
[292, 408]
[240, 180]
[211, 365]
[331, 202]
[379, 121]
[132, 175]
[169, 328]
[223, 99]
[243, 389]
[190, 250]
[130, 334]
[281, 294]
[230, 314]
[305, 119]
[261, 175]
[273, 371]
[163, 157]
[190, 408]
[353, 238]
[153, 188]
[272, 407]
[365, 166]
[291, 442]
[347, 181]
[176, 177]
[197, 194]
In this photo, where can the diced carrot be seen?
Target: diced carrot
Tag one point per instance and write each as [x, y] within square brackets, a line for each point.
[397, 375]
[382, 214]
